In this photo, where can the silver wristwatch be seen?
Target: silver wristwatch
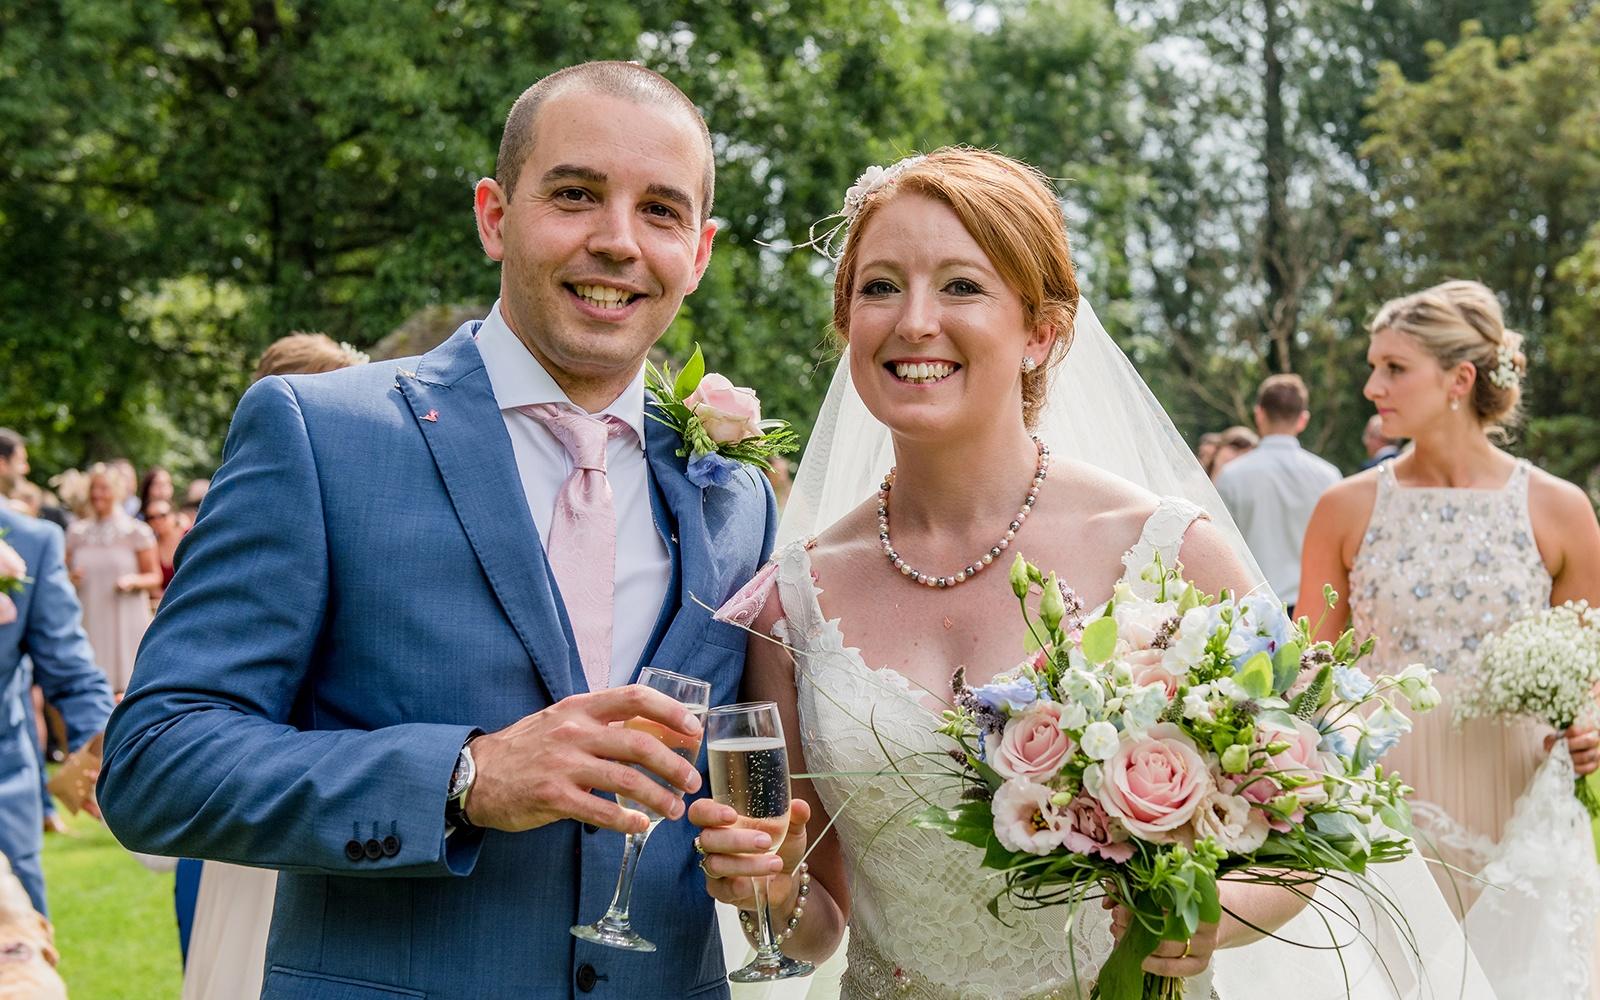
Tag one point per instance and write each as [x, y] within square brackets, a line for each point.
[461, 779]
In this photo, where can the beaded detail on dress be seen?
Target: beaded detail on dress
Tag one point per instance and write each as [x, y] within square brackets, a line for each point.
[1440, 569]
[919, 927]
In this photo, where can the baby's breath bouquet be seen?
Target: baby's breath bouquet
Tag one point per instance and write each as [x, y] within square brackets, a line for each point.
[1173, 739]
[1543, 667]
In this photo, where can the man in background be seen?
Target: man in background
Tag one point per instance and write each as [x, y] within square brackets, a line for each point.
[1379, 448]
[1271, 490]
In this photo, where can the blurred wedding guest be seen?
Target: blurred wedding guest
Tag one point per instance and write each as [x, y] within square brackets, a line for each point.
[1444, 546]
[13, 461]
[24, 497]
[41, 634]
[1380, 447]
[113, 561]
[1231, 443]
[1272, 490]
[1206, 449]
[192, 495]
[123, 467]
[156, 485]
[163, 521]
[306, 354]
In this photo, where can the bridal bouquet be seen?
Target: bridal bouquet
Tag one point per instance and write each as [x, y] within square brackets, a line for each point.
[13, 576]
[1172, 739]
[1544, 667]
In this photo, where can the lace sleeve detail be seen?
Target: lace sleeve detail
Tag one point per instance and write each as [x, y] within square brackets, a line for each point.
[1162, 534]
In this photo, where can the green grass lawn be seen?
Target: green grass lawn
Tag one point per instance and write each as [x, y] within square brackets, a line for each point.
[114, 920]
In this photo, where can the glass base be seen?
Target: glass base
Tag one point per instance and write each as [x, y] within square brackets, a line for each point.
[612, 935]
[785, 968]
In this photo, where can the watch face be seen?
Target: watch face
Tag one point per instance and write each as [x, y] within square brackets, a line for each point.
[460, 777]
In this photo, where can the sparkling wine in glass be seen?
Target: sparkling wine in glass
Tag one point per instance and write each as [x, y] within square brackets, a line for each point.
[750, 772]
[613, 929]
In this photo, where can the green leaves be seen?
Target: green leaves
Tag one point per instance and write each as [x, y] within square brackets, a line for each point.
[1256, 676]
[1100, 640]
[693, 371]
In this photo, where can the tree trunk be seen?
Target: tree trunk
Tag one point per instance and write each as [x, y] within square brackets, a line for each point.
[1282, 306]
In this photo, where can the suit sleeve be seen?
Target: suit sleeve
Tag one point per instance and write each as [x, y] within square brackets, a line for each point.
[201, 759]
[63, 663]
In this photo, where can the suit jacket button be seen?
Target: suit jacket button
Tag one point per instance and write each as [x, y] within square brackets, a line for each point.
[590, 828]
[391, 846]
[374, 850]
[586, 977]
[353, 850]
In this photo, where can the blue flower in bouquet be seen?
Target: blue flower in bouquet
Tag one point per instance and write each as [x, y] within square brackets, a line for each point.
[1010, 694]
[1336, 741]
[1383, 730]
[1262, 625]
[710, 469]
[1351, 684]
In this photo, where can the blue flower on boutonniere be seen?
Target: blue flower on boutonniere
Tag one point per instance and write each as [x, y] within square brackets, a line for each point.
[720, 423]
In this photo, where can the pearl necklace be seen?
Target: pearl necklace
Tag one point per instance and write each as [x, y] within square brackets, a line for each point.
[967, 573]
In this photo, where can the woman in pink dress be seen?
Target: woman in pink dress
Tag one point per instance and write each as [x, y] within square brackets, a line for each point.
[112, 558]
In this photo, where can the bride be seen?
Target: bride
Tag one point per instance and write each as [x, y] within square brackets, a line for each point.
[957, 298]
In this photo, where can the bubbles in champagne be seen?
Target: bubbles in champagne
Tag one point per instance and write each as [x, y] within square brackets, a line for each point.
[751, 774]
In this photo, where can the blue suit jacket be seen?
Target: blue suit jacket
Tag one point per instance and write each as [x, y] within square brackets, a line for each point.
[48, 630]
[365, 587]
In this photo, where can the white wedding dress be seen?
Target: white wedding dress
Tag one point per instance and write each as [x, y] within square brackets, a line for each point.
[919, 925]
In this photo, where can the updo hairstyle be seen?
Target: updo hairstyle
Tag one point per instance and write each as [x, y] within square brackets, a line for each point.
[1461, 321]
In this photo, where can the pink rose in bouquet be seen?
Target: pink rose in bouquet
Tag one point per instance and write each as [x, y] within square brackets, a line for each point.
[1148, 668]
[11, 564]
[1032, 745]
[1090, 831]
[1024, 819]
[1154, 782]
[728, 413]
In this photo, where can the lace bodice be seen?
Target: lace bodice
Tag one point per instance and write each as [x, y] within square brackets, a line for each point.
[1439, 569]
[919, 924]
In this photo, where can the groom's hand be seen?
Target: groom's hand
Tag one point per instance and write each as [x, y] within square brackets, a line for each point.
[548, 766]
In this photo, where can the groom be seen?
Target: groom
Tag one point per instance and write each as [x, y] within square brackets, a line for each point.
[407, 617]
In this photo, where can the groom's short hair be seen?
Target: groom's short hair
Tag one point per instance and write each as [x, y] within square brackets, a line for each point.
[612, 78]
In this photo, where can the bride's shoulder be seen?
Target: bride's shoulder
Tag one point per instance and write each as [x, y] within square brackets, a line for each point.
[848, 538]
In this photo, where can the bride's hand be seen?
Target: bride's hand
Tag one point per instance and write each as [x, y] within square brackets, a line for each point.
[1584, 745]
[1175, 959]
[734, 855]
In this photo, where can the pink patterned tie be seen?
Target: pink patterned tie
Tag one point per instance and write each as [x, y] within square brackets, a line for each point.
[583, 533]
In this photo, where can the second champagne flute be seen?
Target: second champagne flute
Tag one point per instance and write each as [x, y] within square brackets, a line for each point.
[613, 929]
[750, 772]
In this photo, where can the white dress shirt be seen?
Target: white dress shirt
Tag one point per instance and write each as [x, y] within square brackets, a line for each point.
[1271, 491]
[644, 566]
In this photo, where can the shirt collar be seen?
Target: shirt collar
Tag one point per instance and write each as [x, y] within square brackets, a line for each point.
[518, 379]
[1279, 441]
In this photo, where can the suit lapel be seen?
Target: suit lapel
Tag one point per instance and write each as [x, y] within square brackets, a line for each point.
[456, 411]
[694, 563]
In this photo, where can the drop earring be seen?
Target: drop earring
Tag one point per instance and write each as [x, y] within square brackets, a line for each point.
[1455, 403]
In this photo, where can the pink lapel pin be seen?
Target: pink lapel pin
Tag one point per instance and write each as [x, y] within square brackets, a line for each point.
[432, 416]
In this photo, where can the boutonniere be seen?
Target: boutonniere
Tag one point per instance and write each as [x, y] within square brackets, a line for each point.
[720, 423]
[13, 576]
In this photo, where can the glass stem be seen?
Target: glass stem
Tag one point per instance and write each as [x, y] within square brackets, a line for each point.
[767, 953]
[632, 847]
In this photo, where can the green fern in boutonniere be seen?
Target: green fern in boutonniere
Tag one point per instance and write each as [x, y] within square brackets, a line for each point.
[720, 423]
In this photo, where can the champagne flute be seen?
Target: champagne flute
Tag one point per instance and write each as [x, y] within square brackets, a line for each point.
[750, 772]
[613, 929]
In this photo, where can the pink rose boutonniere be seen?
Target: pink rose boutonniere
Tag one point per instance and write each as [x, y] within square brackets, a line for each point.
[13, 575]
[720, 422]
